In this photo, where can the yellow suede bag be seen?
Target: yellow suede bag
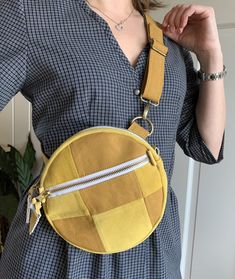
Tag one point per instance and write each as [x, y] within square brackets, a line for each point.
[104, 189]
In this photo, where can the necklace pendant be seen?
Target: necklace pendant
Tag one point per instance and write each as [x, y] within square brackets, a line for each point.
[119, 26]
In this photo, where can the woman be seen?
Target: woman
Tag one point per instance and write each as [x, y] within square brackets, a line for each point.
[80, 67]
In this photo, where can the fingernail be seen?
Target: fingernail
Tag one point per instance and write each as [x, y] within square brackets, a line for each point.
[180, 30]
[168, 28]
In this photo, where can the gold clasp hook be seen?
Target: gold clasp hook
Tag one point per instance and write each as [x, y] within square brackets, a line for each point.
[146, 110]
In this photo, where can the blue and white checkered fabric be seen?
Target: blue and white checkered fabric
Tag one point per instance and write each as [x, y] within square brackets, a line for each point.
[65, 60]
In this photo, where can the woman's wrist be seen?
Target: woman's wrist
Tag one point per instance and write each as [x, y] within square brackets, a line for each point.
[211, 61]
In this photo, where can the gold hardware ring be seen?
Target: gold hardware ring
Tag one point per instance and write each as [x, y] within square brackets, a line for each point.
[146, 119]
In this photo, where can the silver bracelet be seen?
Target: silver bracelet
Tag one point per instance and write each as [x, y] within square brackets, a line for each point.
[212, 76]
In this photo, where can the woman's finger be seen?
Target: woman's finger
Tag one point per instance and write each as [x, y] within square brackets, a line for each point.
[171, 17]
[185, 16]
[178, 16]
[166, 22]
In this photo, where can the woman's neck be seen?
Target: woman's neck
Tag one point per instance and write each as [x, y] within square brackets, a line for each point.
[118, 8]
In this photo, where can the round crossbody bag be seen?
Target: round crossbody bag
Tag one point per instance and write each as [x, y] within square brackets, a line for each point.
[104, 189]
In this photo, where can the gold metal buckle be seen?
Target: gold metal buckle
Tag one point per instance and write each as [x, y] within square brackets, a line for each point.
[148, 101]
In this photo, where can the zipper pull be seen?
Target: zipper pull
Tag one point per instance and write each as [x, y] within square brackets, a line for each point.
[35, 214]
[31, 193]
[34, 219]
[29, 200]
[35, 205]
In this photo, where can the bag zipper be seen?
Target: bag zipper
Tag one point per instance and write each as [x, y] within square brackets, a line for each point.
[97, 177]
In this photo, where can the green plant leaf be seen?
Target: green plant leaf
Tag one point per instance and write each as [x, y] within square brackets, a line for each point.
[2, 156]
[29, 154]
[8, 206]
[6, 164]
[23, 172]
[16, 169]
[6, 185]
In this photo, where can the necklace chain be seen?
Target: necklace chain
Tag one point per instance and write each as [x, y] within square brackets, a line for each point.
[118, 25]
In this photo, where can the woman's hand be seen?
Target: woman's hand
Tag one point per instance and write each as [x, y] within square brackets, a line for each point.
[193, 27]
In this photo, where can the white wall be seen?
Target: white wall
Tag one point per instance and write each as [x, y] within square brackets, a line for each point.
[214, 246]
[15, 125]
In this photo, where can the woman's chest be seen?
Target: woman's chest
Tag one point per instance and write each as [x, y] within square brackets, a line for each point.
[75, 64]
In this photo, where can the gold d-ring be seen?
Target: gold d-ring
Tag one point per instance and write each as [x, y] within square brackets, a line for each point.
[146, 119]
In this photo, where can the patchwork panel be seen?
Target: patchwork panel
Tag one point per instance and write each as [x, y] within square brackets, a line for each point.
[66, 206]
[149, 179]
[61, 169]
[154, 203]
[96, 156]
[81, 231]
[124, 226]
[113, 193]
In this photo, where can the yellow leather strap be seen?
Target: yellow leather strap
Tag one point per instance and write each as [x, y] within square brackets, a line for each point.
[139, 130]
[153, 80]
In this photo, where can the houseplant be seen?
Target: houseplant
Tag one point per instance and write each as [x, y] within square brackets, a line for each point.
[15, 176]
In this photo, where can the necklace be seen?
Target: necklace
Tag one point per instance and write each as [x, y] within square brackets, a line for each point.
[118, 25]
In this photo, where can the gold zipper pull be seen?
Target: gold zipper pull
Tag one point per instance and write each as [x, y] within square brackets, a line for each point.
[35, 205]
[34, 219]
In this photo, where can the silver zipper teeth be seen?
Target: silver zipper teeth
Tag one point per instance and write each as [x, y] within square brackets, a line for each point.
[99, 173]
[108, 174]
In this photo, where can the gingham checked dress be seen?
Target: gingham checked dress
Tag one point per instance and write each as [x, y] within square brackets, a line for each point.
[65, 60]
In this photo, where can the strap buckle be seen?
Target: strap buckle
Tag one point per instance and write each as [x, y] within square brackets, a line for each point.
[148, 101]
[158, 47]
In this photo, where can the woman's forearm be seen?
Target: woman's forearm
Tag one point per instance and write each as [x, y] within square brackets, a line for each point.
[211, 107]
[194, 27]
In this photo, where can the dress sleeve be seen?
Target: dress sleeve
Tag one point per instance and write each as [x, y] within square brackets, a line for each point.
[13, 49]
[188, 136]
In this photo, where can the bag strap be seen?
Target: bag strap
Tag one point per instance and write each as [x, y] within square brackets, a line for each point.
[153, 80]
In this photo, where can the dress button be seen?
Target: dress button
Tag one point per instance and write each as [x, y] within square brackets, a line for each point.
[136, 91]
